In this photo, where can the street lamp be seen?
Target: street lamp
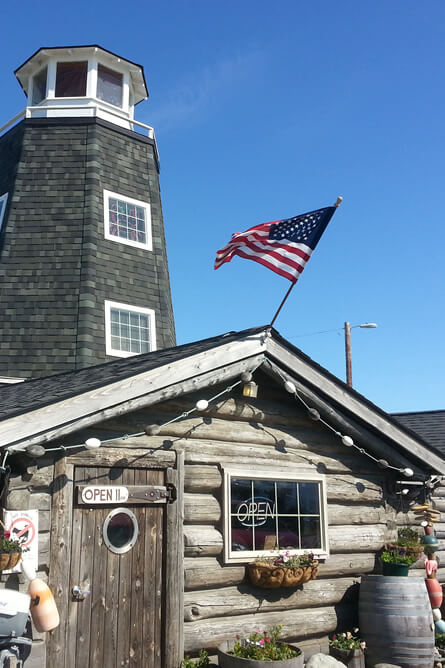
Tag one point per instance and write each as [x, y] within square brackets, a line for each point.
[348, 327]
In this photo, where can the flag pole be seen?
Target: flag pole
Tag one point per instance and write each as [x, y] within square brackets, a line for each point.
[337, 204]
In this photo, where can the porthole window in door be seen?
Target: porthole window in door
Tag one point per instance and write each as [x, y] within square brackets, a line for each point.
[120, 530]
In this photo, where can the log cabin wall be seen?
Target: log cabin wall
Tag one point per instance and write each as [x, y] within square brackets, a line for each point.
[270, 433]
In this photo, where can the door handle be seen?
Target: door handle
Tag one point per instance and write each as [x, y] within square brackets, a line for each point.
[79, 593]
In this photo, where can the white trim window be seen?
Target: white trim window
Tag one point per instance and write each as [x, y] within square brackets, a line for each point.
[127, 220]
[267, 511]
[129, 330]
[3, 201]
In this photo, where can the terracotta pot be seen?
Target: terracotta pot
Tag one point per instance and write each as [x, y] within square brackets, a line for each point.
[353, 658]
[9, 560]
[226, 660]
[266, 576]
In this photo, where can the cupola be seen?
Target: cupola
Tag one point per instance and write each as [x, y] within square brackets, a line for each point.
[82, 81]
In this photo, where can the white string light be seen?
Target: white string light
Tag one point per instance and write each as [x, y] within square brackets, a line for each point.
[290, 387]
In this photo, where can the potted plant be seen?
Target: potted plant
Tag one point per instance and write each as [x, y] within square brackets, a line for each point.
[202, 662]
[283, 570]
[10, 550]
[396, 561]
[348, 648]
[259, 650]
[409, 540]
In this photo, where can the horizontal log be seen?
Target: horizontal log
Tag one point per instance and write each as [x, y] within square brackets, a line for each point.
[209, 452]
[337, 565]
[201, 509]
[129, 453]
[201, 478]
[202, 540]
[208, 572]
[297, 625]
[246, 599]
[357, 538]
[337, 513]
[263, 411]
[23, 499]
[354, 489]
[439, 504]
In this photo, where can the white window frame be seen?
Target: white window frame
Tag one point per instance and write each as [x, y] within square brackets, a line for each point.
[148, 245]
[235, 556]
[4, 200]
[135, 309]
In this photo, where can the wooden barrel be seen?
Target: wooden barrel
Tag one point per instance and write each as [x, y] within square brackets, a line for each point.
[396, 621]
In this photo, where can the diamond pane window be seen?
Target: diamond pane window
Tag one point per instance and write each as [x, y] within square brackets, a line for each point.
[127, 221]
[130, 330]
[265, 512]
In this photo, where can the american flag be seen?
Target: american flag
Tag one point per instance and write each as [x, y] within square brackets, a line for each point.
[284, 246]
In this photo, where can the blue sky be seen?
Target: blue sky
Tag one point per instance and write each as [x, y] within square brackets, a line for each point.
[264, 111]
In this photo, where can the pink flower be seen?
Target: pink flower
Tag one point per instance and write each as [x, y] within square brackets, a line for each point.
[334, 637]
[266, 639]
[261, 642]
[6, 534]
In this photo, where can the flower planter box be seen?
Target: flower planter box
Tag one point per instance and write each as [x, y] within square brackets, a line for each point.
[227, 660]
[353, 658]
[273, 577]
[9, 559]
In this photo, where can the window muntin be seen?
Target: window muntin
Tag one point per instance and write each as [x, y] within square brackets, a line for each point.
[109, 85]
[127, 220]
[120, 530]
[129, 330]
[39, 86]
[3, 201]
[264, 512]
[71, 79]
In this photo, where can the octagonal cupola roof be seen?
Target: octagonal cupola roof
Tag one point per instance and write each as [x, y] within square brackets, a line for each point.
[74, 80]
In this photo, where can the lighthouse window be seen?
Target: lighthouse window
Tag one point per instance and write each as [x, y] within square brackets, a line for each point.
[265, 513]
[71, 79]
[130, 330]
[127, 221]
[3, 200]
[109, 86]
[120, 530]
[39, 86]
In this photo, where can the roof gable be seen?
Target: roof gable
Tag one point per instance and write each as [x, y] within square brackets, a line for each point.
[43, 409]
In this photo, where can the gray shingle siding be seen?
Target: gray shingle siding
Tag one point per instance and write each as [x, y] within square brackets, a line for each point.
[56, 267]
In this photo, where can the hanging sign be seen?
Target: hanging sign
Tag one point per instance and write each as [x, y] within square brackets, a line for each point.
[92, 494]
[23, 526]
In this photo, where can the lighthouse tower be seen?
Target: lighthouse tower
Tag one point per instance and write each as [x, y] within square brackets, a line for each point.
[83, 263]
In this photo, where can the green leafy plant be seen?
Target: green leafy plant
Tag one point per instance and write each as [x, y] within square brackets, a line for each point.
[202, 662]
[347, 640]
[398, 555]
[6, 544]
[264, 646]
[440, 640]
[408, 537]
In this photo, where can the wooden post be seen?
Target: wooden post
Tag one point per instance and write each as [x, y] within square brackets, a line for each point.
[348, 353]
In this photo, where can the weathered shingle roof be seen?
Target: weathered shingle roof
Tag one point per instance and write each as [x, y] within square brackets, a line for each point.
[37, 392]
[429, 425]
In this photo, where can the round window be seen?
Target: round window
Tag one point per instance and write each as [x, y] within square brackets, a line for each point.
[120, 530]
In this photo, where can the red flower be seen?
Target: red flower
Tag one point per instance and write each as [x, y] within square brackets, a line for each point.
[6, 534]
[266, 639]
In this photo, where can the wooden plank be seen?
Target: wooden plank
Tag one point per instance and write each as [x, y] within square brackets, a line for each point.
[131, 453]
[216, 365]
[61, 523]
[174, 574]
[297, 624]
[125, 586]
[246, 599]
[141, 568]
[112, 600]
[73, 604]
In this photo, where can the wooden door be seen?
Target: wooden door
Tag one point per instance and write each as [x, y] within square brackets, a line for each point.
[119, 622]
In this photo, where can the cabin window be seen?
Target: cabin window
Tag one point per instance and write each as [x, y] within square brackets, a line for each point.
[109, 85]
[3, 200]
[265, 513]
[39, 86]
[120, 530]
[71, 79]
[127, 220]
[129, 330]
